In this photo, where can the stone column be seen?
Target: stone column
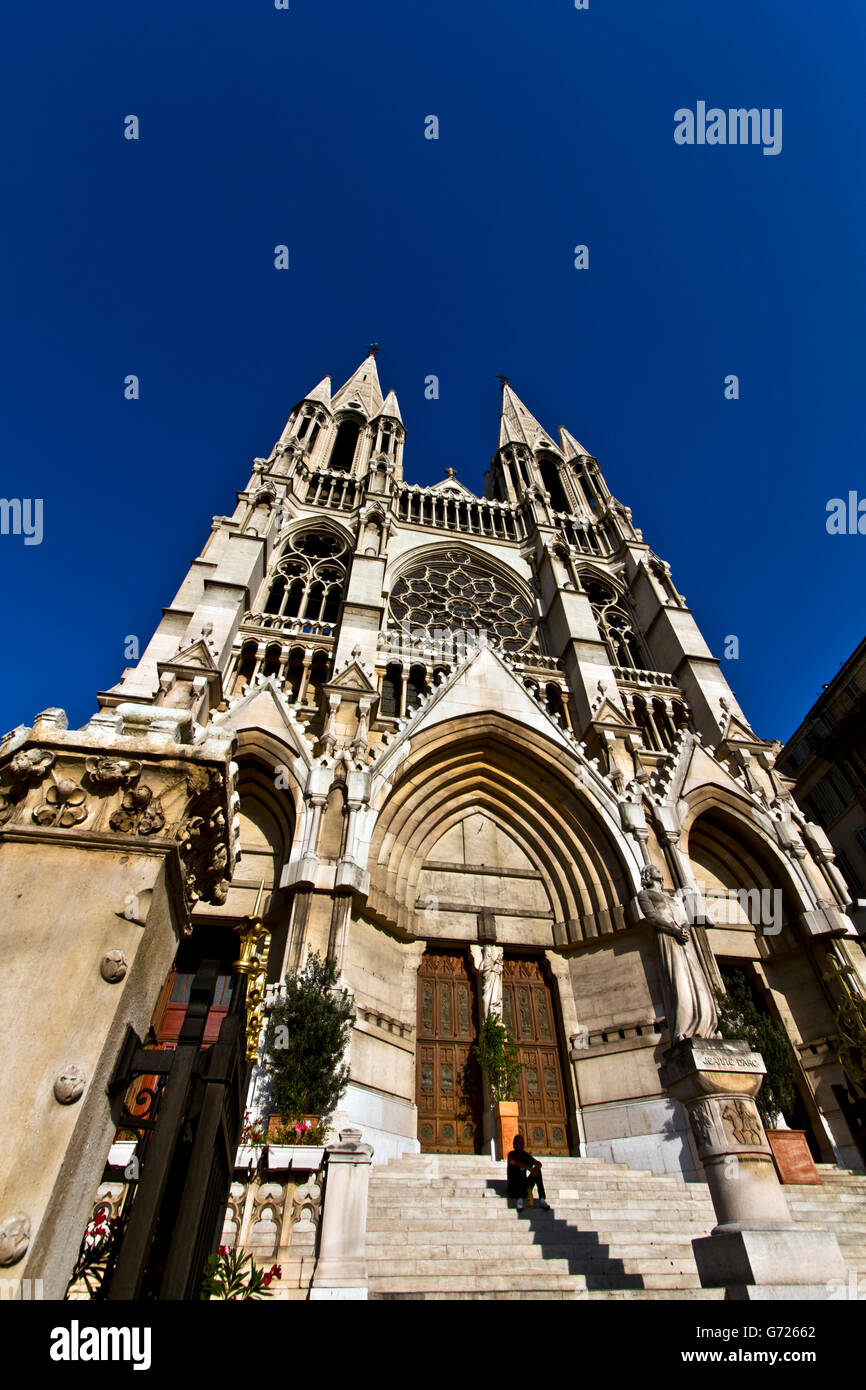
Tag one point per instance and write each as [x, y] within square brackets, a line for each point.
[341, 1272]
[755, 1248]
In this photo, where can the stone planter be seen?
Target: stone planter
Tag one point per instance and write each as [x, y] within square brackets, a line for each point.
[275, 1124]
[248, 1156]
[507, 1125]
[792, 1156]
[308, 1157]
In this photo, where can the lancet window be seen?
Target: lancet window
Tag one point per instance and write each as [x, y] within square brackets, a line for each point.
[309, 578]
[615, 626]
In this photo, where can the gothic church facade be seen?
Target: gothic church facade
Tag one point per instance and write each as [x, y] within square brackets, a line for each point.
[461, 728]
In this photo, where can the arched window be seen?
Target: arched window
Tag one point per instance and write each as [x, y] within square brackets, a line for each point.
[553, 484]
[553, 698]
[245, 668]
[276, 595]
[615, 626]
[295, 671]
[416, 685]
[304, 426]
[309, 579]
[271, 664]
[343, 451]
[389, 703]
[319, 672]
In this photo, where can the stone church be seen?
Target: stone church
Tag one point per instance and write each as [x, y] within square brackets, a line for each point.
[452, 737]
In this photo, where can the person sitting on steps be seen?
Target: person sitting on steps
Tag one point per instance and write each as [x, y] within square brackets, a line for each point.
[524, 1172]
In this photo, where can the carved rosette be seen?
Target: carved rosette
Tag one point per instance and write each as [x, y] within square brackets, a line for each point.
[25, 770]
[140, 813]
[65, 805]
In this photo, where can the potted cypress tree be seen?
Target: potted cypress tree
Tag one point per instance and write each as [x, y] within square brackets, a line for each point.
[305, 1044]
[499, 1058]
[741, 1016]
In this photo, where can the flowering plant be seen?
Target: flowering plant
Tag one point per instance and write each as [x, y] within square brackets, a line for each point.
[234, 1276]
[253, 1132]
[97, 1245]
[302, 1132]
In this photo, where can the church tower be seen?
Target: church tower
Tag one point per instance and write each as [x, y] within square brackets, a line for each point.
[452, 733]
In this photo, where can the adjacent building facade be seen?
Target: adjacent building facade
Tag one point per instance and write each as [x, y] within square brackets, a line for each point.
[450, 733]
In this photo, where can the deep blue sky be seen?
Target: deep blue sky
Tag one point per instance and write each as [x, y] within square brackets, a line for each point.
[306, 127]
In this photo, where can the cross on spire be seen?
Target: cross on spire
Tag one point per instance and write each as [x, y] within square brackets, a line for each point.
[506, 380]
[373, 349]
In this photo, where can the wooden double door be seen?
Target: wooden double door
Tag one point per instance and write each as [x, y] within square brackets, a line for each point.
[527, 1008]
[448, 1080]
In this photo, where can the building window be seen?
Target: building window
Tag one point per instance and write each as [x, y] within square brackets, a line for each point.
[310, 578]
[615, 626]
[343, 452]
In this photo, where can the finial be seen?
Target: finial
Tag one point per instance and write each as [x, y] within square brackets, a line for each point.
[373, 349]
[451, 472]
[506, 380]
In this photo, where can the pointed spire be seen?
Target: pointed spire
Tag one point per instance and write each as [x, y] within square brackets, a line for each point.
[391, 408]
[321, 393]
[570, 446]
[517, 425]
[363, 387]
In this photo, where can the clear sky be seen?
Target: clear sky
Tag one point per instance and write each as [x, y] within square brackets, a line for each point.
[306, 127]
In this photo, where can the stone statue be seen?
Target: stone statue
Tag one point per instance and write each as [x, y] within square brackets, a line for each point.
[689, 1004]
[492, 965]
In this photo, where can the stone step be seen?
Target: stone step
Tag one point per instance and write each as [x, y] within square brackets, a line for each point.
[582, 1295]
[493, 1284]
[519, 1269]
[533, 1220]
[667, 1255]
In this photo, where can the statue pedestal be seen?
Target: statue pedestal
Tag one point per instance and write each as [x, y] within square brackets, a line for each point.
[755, 1250]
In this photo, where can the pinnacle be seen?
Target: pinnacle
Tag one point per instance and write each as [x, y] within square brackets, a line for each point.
[517, 425]
[570, 446]
[362, 387]
[321, 392]
[391, 408]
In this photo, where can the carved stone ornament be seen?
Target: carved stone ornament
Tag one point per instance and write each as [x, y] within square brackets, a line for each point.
[69, 1084]
[205, 854]
[140, 813]
[14, 1238]
[113, 967]
[742, 1117]
[110, 773]
[65, 805]
[31, 765]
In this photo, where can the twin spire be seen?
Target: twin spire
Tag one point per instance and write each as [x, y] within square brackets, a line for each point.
[517, 425]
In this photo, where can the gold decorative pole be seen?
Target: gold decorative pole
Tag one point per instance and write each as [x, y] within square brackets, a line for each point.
[255, 941]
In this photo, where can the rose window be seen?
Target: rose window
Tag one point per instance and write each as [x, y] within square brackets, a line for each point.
[457, 593]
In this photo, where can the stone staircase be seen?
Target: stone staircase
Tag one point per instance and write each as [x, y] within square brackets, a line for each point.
[439, 1227]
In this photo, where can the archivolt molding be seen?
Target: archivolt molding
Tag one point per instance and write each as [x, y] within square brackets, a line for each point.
[753, 846]
[486, 764]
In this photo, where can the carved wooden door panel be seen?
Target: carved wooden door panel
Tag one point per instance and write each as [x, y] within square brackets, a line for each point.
[448, 1081]
[527, 1006]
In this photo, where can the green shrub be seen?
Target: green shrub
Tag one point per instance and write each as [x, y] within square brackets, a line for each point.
[305, 1043]
[742, 1016]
